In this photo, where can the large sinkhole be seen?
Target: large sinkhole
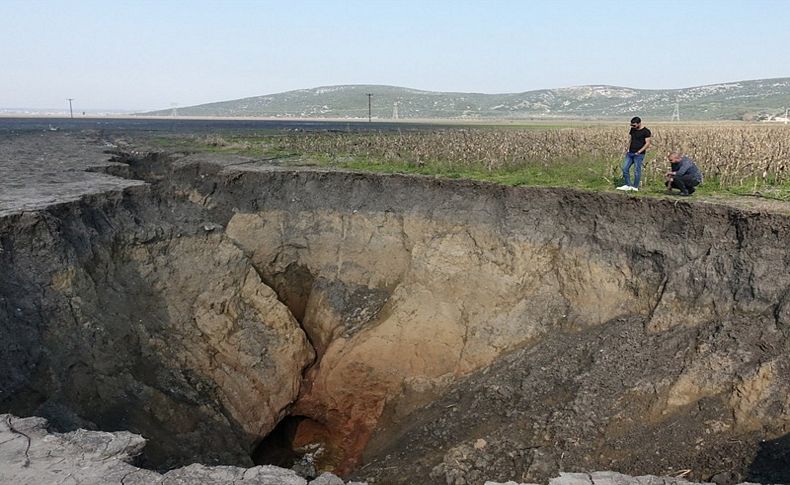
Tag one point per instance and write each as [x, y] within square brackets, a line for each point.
[440, 329]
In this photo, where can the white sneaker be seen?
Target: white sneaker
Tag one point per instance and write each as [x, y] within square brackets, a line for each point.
[633, 189]
[623, 187]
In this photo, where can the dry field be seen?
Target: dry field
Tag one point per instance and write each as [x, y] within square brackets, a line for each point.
[741, 158]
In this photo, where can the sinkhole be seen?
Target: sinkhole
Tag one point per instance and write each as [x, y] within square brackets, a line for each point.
[367, 323]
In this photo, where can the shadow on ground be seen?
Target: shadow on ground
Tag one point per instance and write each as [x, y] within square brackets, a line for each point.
[772, 463]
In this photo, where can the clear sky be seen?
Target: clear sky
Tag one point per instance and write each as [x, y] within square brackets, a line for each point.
[124, 54]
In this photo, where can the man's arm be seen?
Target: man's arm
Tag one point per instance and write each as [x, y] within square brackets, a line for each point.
[685, 165]
[648, 141]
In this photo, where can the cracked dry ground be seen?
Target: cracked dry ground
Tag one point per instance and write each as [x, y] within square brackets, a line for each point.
[421, 330]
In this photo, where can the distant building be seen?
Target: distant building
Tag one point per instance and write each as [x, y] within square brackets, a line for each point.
[775, 118]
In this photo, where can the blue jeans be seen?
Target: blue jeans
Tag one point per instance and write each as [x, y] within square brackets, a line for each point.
[635, 160]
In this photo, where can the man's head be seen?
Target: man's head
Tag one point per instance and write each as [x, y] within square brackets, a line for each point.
[674, 157]
[636, 122]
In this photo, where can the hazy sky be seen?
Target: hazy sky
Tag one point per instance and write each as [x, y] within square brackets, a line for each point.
[137, 55]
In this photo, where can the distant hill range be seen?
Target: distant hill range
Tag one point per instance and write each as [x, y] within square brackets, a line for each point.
[759, 99]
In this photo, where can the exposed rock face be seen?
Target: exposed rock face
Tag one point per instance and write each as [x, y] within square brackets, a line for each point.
[126, 325]
[566, 330]
[413, 289]
[406, 303]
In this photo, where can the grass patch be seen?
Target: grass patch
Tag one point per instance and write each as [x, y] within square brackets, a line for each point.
[515, 155]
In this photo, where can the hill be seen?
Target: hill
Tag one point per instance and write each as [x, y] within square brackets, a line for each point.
[735, 100]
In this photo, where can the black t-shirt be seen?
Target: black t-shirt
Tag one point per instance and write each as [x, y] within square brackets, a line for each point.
[638, 139]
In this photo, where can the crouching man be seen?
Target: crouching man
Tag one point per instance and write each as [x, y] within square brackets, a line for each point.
[683, 175]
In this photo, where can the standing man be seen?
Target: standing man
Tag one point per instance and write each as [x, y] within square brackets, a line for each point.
[640, 142]
[683, 174]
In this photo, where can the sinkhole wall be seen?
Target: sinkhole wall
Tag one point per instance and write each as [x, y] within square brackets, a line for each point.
[201, 309]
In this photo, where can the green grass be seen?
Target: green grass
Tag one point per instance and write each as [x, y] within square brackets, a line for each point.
[595, 175]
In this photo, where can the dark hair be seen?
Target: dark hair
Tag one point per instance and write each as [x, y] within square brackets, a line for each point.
[636, 119]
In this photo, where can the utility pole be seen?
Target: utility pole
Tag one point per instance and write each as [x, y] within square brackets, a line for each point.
[71, 112]
[676, 113]
[369, 105]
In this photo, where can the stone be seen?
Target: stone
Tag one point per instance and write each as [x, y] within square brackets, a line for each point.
[327, 478]
[305, 467]
[511, 482]
[727, 478]
[31, 454]
[260, 475]
[614, 478]
[571, 479]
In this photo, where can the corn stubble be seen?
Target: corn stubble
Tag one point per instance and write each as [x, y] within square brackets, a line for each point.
[749, 157]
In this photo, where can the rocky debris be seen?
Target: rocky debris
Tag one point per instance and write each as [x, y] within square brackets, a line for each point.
[607, 478]
[612, 478]
[260, 475]
[327, 478]
[305, 467]
[472, 463]
[30, 455]
[563, 402]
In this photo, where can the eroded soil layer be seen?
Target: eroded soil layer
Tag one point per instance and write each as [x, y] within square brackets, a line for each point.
[446, 329]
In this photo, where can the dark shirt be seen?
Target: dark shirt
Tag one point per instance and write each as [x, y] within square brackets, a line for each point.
[638, 139]
[687, 168]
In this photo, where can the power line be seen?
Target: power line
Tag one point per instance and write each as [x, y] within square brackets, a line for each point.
[71, 111]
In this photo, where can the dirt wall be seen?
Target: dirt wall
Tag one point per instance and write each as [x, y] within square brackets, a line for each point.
[202, 299]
